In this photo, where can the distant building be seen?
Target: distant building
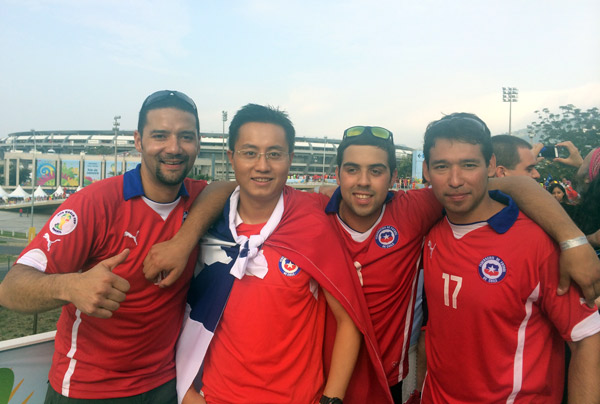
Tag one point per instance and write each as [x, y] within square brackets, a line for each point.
[76, 158]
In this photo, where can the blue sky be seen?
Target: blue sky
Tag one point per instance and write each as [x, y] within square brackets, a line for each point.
[75, 64]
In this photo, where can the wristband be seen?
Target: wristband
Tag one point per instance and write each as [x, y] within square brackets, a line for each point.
[574, 242]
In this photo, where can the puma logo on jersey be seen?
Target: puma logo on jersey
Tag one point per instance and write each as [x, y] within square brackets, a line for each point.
[431, 248]
[131, 236]
[358, 267]
[49, 242]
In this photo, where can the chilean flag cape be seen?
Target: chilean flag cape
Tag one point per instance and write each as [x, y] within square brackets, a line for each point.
[304, 236]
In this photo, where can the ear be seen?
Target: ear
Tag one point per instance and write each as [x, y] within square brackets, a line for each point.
[492, 166]
[230, 157]
[337, 175]
[137, 139]
[500, 171]
[426, 172]
[394, 177]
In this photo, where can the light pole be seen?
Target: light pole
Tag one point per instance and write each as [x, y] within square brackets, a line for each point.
[224, 116]
[116, 129]
[324, 147]
[510, 95]
[31, 234]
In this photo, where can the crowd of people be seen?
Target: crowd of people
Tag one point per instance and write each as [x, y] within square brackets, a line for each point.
[178, 291]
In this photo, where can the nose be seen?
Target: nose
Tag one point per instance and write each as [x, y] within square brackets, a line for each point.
[262, 163]
[455, 177]
[535, 174]
[363, 178]
[173, 146]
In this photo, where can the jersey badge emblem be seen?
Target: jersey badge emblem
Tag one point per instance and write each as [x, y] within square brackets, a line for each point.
[63, 223]
[492, 269]
[386, 237]
[288, 268]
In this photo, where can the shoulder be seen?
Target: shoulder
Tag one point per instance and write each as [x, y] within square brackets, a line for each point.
[99, 194]
[194, 187]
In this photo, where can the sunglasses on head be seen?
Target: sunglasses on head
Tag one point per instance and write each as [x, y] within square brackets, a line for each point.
[376, 131]
[164, 94]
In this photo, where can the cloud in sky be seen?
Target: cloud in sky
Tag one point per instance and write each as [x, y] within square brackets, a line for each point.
[76, 64]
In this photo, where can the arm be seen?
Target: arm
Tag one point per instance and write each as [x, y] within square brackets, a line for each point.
[584, 370]
[345, 350]
[193, 397]
[96, 292]
[172, 256]
[579, 263]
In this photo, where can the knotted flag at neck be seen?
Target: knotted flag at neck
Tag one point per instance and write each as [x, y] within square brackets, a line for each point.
[251, 260]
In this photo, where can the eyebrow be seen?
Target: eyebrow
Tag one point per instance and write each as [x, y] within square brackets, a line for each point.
[351, 164]
[251, 146]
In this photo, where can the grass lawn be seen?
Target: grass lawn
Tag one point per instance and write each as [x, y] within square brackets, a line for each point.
[15, 325]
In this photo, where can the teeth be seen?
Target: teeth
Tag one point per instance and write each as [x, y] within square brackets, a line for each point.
[262, 179]
[362, 196]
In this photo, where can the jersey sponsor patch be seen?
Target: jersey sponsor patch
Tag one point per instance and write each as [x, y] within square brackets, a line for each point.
[63, 223]
[288, 268]
[386, 237]
[492, 269]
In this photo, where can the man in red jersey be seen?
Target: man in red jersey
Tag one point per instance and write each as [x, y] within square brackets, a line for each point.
[383, 231]
[496, 326]
[116, 335]
[257, 327]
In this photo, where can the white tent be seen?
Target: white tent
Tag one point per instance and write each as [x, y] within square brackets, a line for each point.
[3, 193]
[39, 192]
[59, 191]
[19, 193]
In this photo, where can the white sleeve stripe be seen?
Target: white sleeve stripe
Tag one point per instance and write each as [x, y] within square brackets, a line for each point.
[587, 327]
[34, 258]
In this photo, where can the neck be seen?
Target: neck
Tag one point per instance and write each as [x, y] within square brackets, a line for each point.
[253, 211]
[356, 222]
[158, 192]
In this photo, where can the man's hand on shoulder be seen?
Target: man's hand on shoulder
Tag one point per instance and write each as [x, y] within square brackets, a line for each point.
[581, 264]
[165, 262]
[98, 292]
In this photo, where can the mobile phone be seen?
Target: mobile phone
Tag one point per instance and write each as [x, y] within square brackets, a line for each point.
[549, 152]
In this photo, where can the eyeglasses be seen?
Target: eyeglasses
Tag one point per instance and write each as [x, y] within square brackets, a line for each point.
[376, 131]
[251, 155]
[164, 94]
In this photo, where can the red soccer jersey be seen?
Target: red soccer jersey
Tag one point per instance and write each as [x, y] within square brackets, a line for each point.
[496, 325]
[277, 358]
[133, 351]
[387, 257]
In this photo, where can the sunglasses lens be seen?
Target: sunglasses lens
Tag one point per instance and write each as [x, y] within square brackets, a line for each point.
[354, 131]
[381, 132]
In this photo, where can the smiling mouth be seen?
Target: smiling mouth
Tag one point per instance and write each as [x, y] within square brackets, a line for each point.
[262, 179]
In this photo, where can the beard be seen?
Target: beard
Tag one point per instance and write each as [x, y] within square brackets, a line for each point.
[172, 178]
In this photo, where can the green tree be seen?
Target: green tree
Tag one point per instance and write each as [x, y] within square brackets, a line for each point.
[404, 166]
[571, 123]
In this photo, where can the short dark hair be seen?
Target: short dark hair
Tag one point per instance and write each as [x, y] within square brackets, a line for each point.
[461, 126]
[167, 99]
[367, 139]
[264, 114]
[506, 149]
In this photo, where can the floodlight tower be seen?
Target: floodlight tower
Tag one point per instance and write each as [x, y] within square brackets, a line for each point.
[510, 95]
